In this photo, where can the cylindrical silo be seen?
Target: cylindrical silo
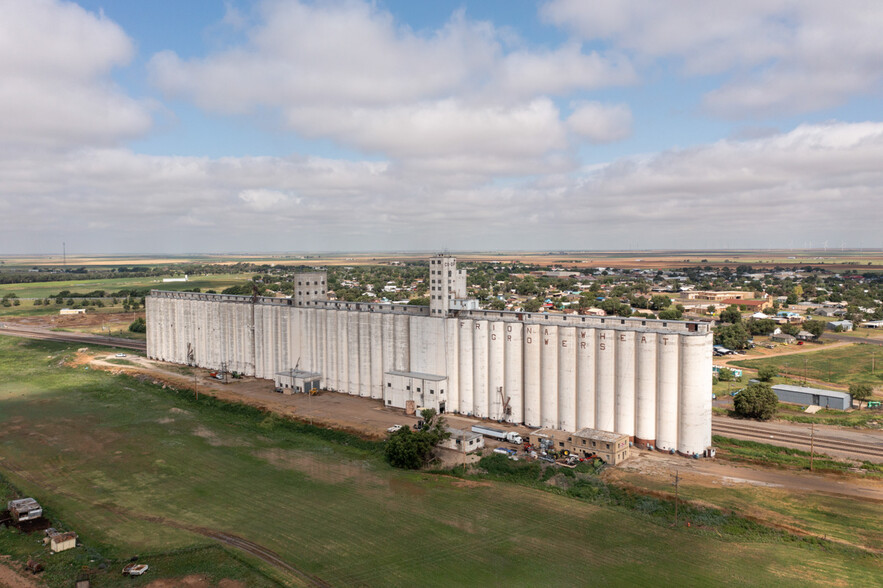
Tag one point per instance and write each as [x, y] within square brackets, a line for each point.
[480, 369]
[402, 357]
[376, 355]
[343, 354]
[331, 349]
[452, 365]
[532, 386]
[496, 369]
[567, 346]
[668, 370]
[645, 389]
[549, 376]
[694, 432]
[364, 353]
[322, 343]
[352, 344]
[465, 372]
[514, 378]
[585, 378]
[605, 383]
[625, 383]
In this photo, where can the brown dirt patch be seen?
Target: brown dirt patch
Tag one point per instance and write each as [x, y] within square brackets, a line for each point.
[13, 577]
[470, 484]
[191, 581]
[324, 471]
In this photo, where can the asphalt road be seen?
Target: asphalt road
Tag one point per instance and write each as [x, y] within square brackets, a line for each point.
[88, 338]
[839, 337]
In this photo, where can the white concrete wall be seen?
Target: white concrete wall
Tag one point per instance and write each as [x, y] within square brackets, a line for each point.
[652, 385]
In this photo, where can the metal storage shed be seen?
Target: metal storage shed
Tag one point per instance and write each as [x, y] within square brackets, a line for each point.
[816, 396]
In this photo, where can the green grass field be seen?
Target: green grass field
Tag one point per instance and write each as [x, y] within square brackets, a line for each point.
[45, 289]
[131, 467]
[841, 365]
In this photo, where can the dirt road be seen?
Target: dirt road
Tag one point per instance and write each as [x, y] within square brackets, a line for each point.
[722, 474]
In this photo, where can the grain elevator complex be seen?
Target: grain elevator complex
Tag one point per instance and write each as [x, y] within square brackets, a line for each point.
[648, 379]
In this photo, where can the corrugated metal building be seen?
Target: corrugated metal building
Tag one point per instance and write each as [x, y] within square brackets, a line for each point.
[816, 396]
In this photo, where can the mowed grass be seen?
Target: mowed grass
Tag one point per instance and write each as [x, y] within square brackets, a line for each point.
[47, 289]
[859, 363]
[134, 469]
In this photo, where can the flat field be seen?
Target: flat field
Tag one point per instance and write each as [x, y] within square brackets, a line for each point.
[834, 260]
[46, 289]
[861, 363]
[135, 468]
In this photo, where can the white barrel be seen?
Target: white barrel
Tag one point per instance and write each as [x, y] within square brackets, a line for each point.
[402, 357]
[465, 372]
[549, 376]
[567, 346]
[496, 369]
[480, 369]
[645, 388]
[532, 344]
[352, 344]
[668, 368]
[625, 383]
[694, 434]
[605, 385]
[585, 378]
[376, 333]
[514, 379]
[452, 365]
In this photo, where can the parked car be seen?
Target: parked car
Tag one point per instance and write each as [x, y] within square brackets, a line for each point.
[393, 428]
[121, 355]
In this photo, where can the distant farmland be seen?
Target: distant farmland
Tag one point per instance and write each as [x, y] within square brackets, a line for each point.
[131, 467]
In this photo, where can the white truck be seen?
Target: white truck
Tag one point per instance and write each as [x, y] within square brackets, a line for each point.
[509, 436]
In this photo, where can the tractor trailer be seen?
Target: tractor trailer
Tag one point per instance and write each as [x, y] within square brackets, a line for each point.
[509, 436]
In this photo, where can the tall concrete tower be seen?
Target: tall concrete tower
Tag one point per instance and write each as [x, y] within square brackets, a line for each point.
[446, 283]
[310, 288]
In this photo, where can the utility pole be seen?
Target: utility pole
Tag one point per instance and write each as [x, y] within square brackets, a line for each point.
[804, 371]
[64, 253]
[677, 498]
[812, 444]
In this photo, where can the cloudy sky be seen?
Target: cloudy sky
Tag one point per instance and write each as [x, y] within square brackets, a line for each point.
[203, 126]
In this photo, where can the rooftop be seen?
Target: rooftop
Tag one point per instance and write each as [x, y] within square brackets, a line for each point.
[805, 390]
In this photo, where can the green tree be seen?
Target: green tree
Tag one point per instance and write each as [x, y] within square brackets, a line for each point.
[732, 336]
[761, 326]
[412, 450]
[860, 392]
[757, 401]
[138, 325]
[659, 302]
[725, 375]
[731, 314]
[532, 305]
[815, 327]
[767, 372]
[671, 313]
[418, 302]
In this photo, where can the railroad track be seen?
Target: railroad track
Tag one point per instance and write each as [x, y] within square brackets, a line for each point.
[860, 450]
[74, 338]
[264, 554]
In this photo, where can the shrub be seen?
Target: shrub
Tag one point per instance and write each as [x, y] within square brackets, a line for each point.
[138, 326]
[757, 401]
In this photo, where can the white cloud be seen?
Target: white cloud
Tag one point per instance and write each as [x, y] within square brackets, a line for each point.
[349, 72]
[814, 182]
[54, 84]
[263, 200]
[783, 56]
[601, 123]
